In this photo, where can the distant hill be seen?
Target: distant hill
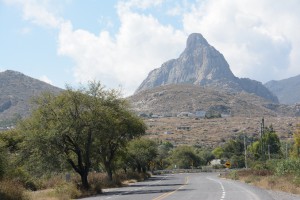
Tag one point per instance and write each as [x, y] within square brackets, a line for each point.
[202, 65]
[16, 91]
[171, 100]
[287, 90]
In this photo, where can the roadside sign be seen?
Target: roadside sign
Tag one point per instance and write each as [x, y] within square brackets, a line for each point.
[227, 164]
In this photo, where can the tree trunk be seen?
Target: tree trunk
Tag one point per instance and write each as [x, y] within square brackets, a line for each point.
[84, 181]
[108, 170]
[139, 168]
[144, 169]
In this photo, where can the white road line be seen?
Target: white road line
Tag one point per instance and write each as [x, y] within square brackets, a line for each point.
[222, 187]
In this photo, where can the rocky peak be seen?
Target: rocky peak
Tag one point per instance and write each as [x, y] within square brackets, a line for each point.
[195, 40]
[201, 64]
[16, 93]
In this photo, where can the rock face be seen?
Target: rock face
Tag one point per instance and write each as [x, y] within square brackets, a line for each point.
[171, 100]
[286, 90]
[16, 92]
[201, 64]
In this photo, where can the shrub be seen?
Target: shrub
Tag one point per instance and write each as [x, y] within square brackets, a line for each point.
[218, 166]
[289, 166]
[272, 164]
[12, 190]
[67, 191]
[296, 180]
[3, 161]
[234, 175]
[21, 176]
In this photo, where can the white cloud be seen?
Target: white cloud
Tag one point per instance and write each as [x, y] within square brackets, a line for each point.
[37, 11]
[258, 37]
[141, 44]
[45, 79]
[25, 30]
[140, 4]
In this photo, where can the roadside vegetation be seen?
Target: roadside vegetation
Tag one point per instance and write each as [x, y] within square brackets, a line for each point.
[83, 133]
[83, 140]
[272, 164]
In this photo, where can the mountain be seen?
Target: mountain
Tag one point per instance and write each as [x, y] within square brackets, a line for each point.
[201, 64]
[171, 100]
[286, 90]
[16, 92]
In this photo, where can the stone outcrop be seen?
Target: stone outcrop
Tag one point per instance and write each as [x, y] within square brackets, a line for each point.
[201, 64]
[287, 90]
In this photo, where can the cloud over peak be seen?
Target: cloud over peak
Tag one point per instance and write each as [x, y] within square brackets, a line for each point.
[259, 38]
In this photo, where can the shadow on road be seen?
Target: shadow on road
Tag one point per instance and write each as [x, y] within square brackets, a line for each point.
[151, 186]
[155, 185]
[142, 192]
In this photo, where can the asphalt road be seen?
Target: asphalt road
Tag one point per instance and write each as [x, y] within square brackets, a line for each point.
[200, 186]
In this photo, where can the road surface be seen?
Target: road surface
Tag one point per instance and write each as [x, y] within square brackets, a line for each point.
[196, 186]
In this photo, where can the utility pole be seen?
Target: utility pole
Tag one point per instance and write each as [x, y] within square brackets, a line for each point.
[262, 127]
[245, 147]
[269, 151]
[286, 150]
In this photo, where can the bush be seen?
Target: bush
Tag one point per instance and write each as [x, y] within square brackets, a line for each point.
[296, 180]
[12, 190]
[234, 175]
[289, 166]
[67, 191]
[259, 166]
[255, 172]
[137, 176]
[272, 164]
[218, 166]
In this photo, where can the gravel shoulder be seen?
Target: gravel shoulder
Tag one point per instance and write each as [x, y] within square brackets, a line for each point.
[277, 195]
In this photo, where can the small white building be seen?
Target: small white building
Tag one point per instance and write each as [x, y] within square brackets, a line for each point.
[200, 114]
[215, 162]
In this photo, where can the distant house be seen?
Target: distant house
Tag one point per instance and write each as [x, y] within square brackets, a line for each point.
[154, 116]
[215, 162]
[186, 114]
[200, 114]
[143, 115]
[168, 132]
[185, 128]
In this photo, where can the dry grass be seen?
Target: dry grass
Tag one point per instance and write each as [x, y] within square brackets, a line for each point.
[268, 181]
[127, 182]
[60, 192]
[48, 194]
[213, 132]
[284, 184]
[12, 190]
[58, 189]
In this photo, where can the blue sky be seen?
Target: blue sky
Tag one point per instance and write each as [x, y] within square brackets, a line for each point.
[119, 42]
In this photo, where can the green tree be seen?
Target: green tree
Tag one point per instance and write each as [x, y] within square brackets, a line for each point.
[10, 144]
[254, 150]
[2, 159]
[233, 147]
[205, 155]
[218, 152]
[271, 142]
[142, 153]
[119, 127]
[68, 128]
[185, 157]
[296, 146]
[164, 150]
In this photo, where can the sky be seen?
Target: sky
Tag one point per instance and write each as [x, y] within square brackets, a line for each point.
[118, 42]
